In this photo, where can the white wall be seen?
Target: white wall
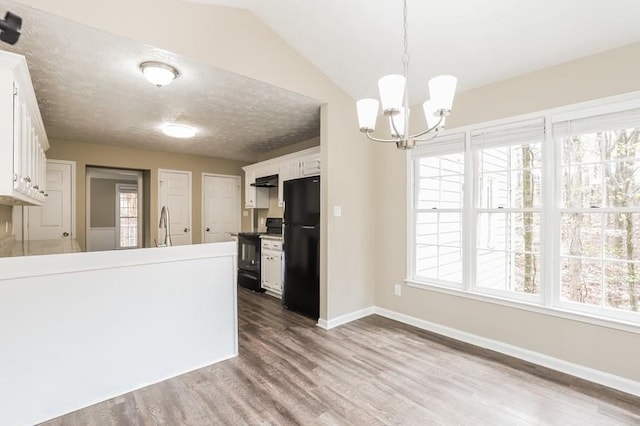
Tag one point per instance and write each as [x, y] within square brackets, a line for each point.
[77, 329]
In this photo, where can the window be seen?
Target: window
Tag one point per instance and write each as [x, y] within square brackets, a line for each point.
[544, 211]
[127, 208]
[600, 210]
[508, 169]
[438, 211]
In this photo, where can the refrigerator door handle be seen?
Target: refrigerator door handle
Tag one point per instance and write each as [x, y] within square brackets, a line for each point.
[308, 227]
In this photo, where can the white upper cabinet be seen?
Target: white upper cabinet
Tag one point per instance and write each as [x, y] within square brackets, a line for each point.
[23, 140]
[293, 166]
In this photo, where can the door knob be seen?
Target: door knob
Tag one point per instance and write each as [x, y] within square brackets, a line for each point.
[65, 234]
[207, 229]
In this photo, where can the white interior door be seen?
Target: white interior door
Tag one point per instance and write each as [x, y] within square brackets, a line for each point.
[221, 207]
[53, 220]
[174, 191]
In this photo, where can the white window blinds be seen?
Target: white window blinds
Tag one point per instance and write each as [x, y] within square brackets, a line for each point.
[518, 133]
[614, 121]
[443, 144]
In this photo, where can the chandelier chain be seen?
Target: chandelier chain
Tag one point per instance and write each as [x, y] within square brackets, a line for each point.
[405, 63]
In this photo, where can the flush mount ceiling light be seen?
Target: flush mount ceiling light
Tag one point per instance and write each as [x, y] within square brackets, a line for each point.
[159, 73]
[181, 131]
[395, 103]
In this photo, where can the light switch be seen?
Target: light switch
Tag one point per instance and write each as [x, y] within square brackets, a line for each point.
[337, 211]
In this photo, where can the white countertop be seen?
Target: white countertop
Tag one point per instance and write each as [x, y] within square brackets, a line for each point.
[38, 247]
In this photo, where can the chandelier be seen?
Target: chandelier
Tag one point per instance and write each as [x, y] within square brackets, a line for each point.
[395, 104]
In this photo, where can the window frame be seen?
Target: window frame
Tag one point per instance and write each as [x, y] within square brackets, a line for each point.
[415, 171]
[133, 189]
[548, 301]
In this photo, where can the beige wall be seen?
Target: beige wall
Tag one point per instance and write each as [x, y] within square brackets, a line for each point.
[103, 202]
[86, 154]
[273, 211]
[617, 352]
[237, 41]
[290, 149]
[5, 217]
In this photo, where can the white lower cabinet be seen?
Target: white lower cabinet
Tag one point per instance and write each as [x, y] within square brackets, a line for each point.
[271, 266]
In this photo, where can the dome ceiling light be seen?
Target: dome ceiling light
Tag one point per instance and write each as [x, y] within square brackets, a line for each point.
[159, 73]
[181, 131]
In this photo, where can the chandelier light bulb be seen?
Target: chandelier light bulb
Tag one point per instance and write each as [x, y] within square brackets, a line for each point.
[431, 113]
[442, 89]
[392, 91]
[367, 114]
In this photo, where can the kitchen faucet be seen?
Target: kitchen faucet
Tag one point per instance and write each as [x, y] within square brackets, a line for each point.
[165, 223]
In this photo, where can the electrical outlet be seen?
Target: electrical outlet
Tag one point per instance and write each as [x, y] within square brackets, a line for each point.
[398, 290]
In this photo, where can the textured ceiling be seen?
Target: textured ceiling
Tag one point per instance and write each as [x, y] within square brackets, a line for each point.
[90, 89]
[479, 41]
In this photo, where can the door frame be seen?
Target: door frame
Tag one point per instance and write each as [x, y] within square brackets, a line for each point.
[202, 199]
[105, 172]
[189, 173]
[19, 228]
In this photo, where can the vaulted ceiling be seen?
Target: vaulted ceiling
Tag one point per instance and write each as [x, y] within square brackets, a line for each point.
[355, 42]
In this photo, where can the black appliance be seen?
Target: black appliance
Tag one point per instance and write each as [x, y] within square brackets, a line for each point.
[249, 254]
[301, 292]
[266, 182]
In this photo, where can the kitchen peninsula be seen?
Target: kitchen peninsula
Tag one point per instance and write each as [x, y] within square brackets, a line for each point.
[80, 328]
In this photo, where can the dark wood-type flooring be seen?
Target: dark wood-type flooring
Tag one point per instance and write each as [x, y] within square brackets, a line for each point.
[371, 371]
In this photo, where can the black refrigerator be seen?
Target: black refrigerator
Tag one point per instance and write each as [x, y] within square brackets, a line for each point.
[301, 292]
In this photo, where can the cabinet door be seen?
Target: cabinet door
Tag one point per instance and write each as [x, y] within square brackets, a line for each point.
[265, 271]
[249, 191]
[17, 135]
[310, 166]
[276, 271]
[282, 176]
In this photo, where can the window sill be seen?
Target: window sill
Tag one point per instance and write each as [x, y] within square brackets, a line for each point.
[615, 324]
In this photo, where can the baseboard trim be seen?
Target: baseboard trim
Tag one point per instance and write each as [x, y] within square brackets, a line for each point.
[596, 376]
[346, 318]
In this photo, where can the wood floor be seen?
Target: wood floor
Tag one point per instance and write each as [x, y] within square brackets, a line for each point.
[369, 372]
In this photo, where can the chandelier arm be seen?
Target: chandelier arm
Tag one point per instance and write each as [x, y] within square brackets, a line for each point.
[368, 134]
[435, 127]
[393, 124]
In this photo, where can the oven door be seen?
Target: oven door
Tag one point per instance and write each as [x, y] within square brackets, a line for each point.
[249, 253]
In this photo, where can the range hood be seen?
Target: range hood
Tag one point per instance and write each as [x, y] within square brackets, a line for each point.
[266, 182]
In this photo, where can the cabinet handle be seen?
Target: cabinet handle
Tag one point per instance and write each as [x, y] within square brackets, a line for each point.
[36, 187]
[27, 179]
[186, 229]
[207, 229]
[15, 178]
[42, 192]
[65, 234]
